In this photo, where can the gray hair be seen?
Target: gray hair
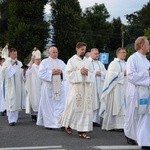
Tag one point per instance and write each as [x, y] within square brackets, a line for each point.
[51, 48]
[94, 49]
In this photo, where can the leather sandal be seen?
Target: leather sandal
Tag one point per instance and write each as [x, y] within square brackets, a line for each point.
[68, 130]
[84, 135]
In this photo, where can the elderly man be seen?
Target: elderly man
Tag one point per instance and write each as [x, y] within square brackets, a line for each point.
[14, 83]
[113, 96]
[100, 72]
[78, 109]
[137, 119]
[51, 72]
[33, 86]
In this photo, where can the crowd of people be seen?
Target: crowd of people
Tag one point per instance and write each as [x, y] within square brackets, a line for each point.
[82, 93]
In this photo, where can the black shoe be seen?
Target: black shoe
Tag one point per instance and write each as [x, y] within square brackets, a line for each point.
[146, 147]
[63, 128]
[34, 118]
[119, 130]
[12, 124]
[130, 141]
[3, 113]
[48, 128]
[96, 124]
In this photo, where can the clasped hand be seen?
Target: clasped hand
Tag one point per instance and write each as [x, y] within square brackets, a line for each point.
[56, 71]
[84, 71]
[98, 73]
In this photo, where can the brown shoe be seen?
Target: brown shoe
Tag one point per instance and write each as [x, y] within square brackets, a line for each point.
[68, 130]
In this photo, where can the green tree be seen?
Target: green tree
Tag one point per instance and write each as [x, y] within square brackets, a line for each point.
[3, 22]
[138, 21]
[147, 34]
[97, 17]
[68, 25]
[116, 36]
[26, 26]
[143, 16]
[129, 52]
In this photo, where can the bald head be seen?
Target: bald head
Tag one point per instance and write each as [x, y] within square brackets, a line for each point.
[53, 52]
[94, 54]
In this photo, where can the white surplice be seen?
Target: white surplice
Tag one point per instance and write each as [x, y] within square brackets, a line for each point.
[33, 88]
[78, 111]
[14, 83]
[50, 108]
[137, 126]
[113, 96]
[2, 91]
[99, 81]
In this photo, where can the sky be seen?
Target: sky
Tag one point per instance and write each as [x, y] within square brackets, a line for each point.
[116, 8]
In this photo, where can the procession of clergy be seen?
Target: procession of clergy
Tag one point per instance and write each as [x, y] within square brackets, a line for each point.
[81, 93]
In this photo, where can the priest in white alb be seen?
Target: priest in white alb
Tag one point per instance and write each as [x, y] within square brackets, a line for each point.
[51, 72]
[137, 119]
[13, 86]
[100, 72]
[113, 96]
[33, 86]
[78, 113]
[2, 89]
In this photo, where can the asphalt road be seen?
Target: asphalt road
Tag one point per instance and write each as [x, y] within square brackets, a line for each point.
[27, 135]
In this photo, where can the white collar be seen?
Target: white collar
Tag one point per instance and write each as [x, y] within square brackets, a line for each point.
[119, 60]
[90, 59]
[140, 54]
[50, 58]
[77, 57]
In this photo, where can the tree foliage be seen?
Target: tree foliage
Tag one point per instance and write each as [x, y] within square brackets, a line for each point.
[68, 25]
[22, 25]
[97, 16]
[147, 34]
[115, 40]
[138, 22]
[3, 22]
[25, 25]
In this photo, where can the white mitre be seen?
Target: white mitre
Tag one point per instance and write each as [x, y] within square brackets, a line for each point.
[36, 54]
